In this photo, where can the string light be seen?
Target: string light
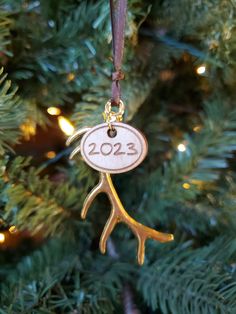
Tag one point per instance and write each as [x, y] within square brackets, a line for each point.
[12, 229]
[51, 154]
[54, 111]
[65, 125]
[197, 128]
[2, 238]
[70, 77]
[201, 69]
[28, 129]
[181, 147]
[186, 186]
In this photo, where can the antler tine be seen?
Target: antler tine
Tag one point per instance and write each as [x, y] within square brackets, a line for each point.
[91, 196]
[74, 137]
[118, 214]
[77, 135]
[74, 152]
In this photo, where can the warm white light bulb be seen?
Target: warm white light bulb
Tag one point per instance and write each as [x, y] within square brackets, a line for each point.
[65, 125]
[54, 111]
[51, 154]
[186, 186]
[201, 69]
[181, 147]
[2, 237]
[12, 229]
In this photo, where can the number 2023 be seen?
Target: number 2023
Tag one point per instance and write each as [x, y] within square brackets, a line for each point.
[115, 149]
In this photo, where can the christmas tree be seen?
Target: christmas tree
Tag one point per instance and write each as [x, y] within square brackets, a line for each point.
[179, 89]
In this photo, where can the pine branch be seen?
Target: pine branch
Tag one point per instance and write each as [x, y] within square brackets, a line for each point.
[208, 24]
[62, 276]
[29, 285]
[35, 203]
[60, 48]
[5, 24]
[106, 277]
[187, 281]
[208, 151]
[12, 114]
[206, 156]
[176, 44]
[50, 51]
[129, 306]
[141, 76]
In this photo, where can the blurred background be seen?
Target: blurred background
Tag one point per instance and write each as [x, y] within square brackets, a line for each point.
[179, 89]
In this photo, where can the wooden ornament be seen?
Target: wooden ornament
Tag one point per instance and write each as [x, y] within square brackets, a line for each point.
[117, 153]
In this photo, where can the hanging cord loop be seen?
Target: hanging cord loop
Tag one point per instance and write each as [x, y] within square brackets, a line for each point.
[118, 9]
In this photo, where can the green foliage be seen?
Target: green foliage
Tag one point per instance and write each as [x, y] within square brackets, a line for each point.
[188, 190]
[207, 151]
[11, 114]
[5, 24]
[56, 41]
[212, 23]
[22, 291]
[141, 76]
[58, 53]
[62, 281]
[210, 26]
[35, 203]
[57, 47]
[184, 280]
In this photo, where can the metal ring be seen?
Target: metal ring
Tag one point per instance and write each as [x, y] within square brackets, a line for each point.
[119, 113]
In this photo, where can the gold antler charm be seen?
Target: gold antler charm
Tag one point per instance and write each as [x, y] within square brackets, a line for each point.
[118, 214]
[105, 154]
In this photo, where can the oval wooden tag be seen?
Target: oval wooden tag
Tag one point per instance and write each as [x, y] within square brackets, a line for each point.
[121, 153]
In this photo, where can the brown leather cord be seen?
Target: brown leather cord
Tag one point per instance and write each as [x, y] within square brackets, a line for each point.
[118, 9]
